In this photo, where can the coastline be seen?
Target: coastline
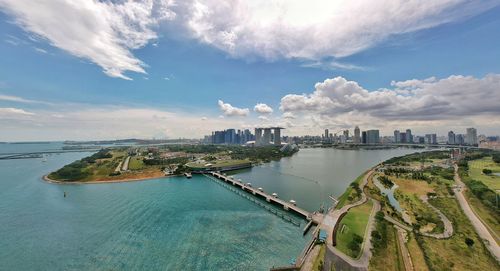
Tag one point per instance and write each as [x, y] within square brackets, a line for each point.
[49, 180]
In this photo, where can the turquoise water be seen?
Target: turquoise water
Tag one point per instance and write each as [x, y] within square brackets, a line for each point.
[162, 224]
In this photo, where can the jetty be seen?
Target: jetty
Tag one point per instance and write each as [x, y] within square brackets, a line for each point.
[273, 199]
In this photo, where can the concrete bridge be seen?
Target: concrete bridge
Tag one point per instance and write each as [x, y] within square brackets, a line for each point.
[288, 206]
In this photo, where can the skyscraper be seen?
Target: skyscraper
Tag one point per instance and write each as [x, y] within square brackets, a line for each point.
[363, 137]
[471, 137]
[409, 136]
[372, 137]
[346, 134]
[326, 134]
[397, 136]
[357, 138]
[451, 137]
[431, 139]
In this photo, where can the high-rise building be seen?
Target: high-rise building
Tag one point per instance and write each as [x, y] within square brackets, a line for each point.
[397, 136]
[409, 136]
[277, 136]
[451, 137]
[372, 137]
[363, 137]
[431, 139]
[459, 139]
[471, 137]
[357, 138]
[266, 137]
[346, 134]
[326, 134]
[402, 138]
[258, 136]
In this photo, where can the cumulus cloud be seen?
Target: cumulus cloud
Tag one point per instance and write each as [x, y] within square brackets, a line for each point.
[231, 111]
[450, 97]
[316, 29]
[288, 115]
[263, 108]
[338, 102]
[103, 32]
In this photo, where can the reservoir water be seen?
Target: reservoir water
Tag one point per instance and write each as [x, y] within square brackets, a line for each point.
[161, 224]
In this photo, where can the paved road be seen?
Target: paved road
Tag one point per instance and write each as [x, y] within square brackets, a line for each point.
[448, 226]
[481, 230]
[125, 164]
[333, 216]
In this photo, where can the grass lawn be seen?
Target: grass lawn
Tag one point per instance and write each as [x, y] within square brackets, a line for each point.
[135, 163]
[353, 223]
[416, 254]
[387, 258]
[453, 253]
[417, 187]
[350, 195]
[476, 172]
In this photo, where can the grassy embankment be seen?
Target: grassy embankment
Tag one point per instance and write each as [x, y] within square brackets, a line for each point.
[352, 193]
[318, 262]
[386, 255]
[352, 229]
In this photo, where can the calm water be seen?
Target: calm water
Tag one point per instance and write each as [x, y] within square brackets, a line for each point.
[163, 224]
[312, 174]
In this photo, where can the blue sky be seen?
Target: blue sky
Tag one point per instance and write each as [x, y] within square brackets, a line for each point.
[186, 73]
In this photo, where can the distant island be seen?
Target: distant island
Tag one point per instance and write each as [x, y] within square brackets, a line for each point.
[133, 163]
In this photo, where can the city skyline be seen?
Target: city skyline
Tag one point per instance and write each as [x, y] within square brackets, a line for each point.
[170, 70]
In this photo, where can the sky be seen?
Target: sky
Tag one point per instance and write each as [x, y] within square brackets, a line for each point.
[85, 69]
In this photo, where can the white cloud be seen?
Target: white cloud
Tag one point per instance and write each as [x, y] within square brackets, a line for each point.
[17, 99]
[40, 50]
[231, 111]
[263, 108]
[103, 32]
[431, 102]
[317, 28]
[204, 118]
[333, 65]
[9, 112]
[264, 118]
[288, 115]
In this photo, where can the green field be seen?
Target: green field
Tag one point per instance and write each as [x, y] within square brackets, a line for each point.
[453, 253]
[476, 172]
[354, 223]
[135, 163]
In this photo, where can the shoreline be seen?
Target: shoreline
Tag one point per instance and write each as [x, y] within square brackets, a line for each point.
[49, 180]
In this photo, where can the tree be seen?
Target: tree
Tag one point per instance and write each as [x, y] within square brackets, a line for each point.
[469, 242]
[487, 171]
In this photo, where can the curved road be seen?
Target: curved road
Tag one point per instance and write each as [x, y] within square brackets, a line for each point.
[481, 229]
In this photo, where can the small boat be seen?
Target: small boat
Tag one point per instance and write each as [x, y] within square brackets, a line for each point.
[249, 184]
[275, 195]
[261, 189]
[188, 175]
[293, 202]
